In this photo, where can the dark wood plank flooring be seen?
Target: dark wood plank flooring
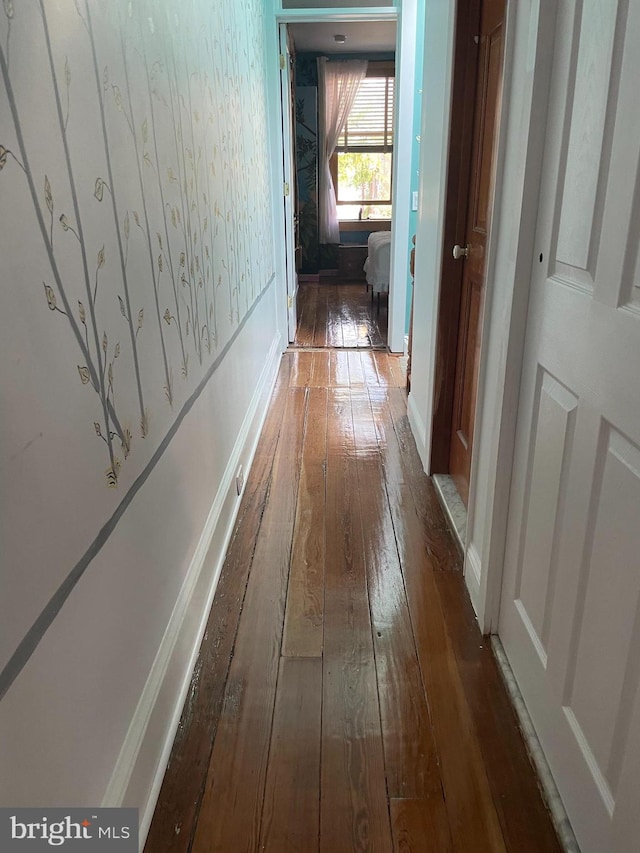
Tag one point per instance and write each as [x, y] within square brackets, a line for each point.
[333, 314]
[344, 699]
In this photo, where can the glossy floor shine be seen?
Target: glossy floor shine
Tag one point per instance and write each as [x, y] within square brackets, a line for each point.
[344, 699]
[334, 314]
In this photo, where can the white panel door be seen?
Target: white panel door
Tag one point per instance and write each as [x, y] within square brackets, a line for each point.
[570, 609]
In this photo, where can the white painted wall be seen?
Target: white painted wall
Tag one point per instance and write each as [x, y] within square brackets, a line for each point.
[75, 700]
[90, 697]
[434, 142]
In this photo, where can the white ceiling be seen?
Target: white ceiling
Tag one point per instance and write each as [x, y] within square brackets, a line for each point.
[362, 37]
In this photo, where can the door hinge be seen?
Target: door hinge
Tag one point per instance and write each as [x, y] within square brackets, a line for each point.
[285, 189]
[289, 301]
[283, 62]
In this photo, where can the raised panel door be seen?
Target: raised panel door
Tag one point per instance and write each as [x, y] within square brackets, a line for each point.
[570, 609]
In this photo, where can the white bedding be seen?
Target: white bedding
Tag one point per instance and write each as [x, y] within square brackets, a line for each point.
[378, 264]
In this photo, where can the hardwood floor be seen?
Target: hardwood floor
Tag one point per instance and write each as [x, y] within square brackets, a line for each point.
[332, 314]
[344, 699]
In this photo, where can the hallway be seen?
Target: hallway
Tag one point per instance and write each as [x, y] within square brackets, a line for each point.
[344, 699]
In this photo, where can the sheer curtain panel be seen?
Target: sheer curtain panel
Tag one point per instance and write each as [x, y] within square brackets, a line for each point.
[338, 84]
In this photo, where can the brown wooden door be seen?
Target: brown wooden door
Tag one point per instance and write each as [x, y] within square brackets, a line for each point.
[481, 181]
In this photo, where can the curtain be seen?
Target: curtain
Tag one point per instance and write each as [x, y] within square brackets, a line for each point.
[338, 84]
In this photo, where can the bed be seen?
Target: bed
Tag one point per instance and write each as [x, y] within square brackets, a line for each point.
[378, 264]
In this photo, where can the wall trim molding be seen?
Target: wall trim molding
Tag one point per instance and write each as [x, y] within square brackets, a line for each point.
[139, 770]
[473, 575]
[529, 40]
[405, 65]
[537, 757]
[419, 429]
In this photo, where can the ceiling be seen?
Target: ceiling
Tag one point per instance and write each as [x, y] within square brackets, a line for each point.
[362, 37]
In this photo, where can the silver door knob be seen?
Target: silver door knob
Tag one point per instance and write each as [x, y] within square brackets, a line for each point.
[459, 252]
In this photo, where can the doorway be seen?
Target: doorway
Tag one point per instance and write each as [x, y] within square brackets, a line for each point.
[335, 307]
[338, 24]
[476, 100]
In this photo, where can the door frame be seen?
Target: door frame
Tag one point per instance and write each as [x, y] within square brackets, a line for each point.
[405, 18]
[463, 86]
[528, 50]
[289, 181]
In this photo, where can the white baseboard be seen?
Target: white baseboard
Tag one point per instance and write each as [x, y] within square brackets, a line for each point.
[419, 430]
[140, 768]
[537, 757]
[472, 575]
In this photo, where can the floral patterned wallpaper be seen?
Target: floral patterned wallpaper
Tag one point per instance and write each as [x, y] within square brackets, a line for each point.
[134, 189]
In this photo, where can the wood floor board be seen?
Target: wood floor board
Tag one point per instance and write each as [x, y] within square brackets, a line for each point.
[320, 372]
[398, 365]
[410, 752]
[343, 699]
[339, 369]
[307, 309]
[473, 818]
[356, 373]
[420, 826]
[306, 316]
[320, 336]
[523, 815]
[371, 376]
[282, 379]
[304, 623]
[291, 815]
[354, 812]
[334, 318]
[304, 620]
[177, 809]
[410, 459]
[340, 438]
[435, 530]
[411, 758]
[390, 449]
[386, 377]
[349, 329]
[336, 314]
[364, 427]
[231, 808]
[315, 435]
[302, 370]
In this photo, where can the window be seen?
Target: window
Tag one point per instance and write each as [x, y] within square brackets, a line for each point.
[362, 163]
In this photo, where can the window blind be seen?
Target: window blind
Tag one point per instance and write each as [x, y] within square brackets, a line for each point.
[370, 122]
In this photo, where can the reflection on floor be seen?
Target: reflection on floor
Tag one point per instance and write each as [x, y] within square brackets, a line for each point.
[331, 314]
[344, 699]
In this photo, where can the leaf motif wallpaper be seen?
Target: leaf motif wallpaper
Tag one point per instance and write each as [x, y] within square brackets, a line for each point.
[134, 192]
